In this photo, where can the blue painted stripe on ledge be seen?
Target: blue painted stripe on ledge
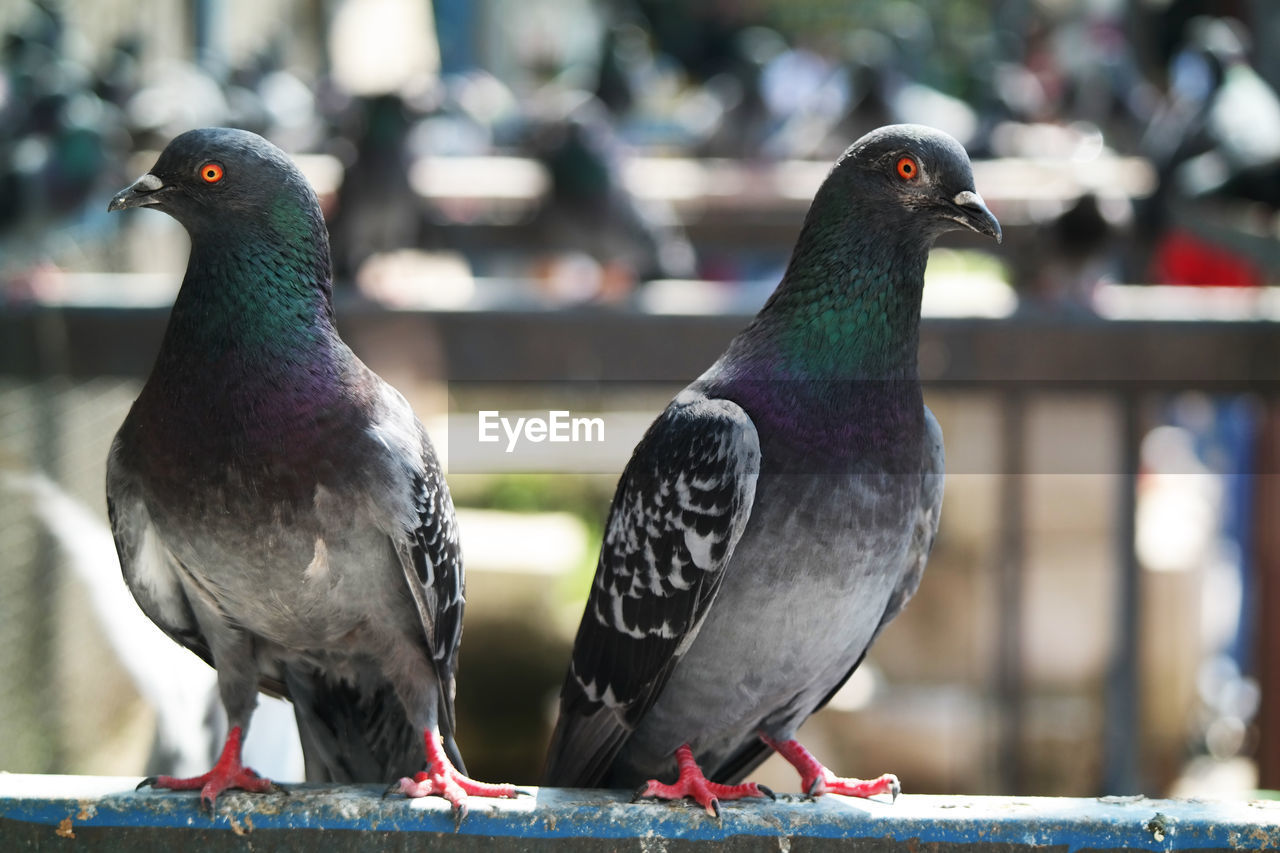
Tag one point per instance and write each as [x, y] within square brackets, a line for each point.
[72, 802]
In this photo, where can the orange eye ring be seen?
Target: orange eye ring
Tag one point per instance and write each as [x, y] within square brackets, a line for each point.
[908, 169]
[210, 173]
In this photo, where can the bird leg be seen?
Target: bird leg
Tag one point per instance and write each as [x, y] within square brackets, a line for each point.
[815, 779]
[227, 772]
[693, 784]
[443, 780]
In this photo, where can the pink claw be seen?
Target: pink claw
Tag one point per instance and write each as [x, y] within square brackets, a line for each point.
[441, 779]
[228, 772]
[694, 785]
[815, 779]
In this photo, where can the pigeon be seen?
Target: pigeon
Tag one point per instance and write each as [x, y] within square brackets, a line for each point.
[779, 512]
[588, 207]
[377, 208]
[276, 507]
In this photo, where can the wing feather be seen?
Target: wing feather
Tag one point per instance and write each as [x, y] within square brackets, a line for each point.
[420, 518]
[679, 510]
[151, 571]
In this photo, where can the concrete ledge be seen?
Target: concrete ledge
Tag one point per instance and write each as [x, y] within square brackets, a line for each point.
[104, 813]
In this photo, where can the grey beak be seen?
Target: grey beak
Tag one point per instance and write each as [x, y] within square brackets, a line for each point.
[138, 194]
[973, 214]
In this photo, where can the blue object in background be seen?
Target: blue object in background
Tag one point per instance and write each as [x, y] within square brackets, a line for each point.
[455, 31]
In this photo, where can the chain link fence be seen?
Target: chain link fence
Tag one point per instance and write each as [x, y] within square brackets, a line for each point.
[65, 703]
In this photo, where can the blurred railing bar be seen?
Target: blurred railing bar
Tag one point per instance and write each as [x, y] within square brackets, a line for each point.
[696, 187]
[729, 205]
[1010, 687]
[1267, 598]
[1070, 354]
[1121, 769]
[52, 349]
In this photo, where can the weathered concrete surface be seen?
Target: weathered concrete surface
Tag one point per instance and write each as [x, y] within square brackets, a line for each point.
[66, 813]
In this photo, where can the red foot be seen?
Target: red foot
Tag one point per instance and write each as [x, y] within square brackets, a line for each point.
[693, 784]
[441, 779]
[227, 772]
[816, 779]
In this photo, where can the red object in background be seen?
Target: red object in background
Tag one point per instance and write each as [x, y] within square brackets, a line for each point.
[1183, 258]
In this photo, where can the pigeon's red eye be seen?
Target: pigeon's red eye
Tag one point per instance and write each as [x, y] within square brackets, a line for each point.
[907, 169]
[211, 173]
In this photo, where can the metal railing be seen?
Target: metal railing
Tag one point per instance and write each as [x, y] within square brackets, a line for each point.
[98, 356]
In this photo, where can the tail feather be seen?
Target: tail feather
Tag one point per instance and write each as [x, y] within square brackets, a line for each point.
[356, 732]
[583, 748]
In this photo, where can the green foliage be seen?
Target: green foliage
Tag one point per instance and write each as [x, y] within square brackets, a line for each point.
[585, 495]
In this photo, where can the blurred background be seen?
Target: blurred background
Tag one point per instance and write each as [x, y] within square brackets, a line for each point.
[572, 205]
